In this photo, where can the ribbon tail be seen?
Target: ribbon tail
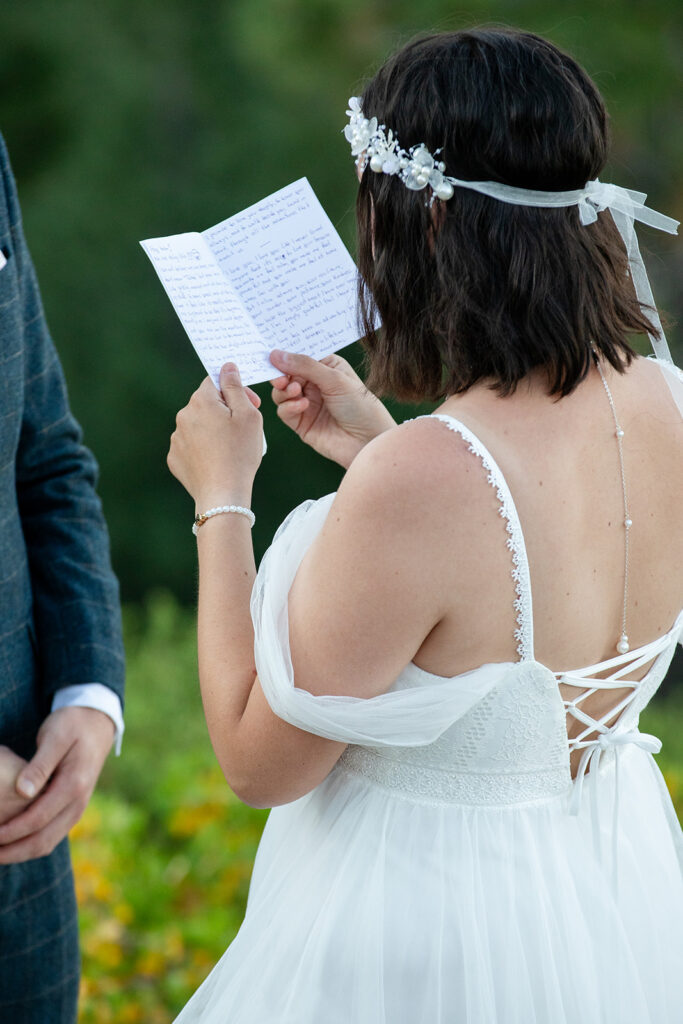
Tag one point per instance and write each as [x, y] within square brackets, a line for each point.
[637, 197]
[615, 828]
[645, 297]
[594, 765]
[633, 207]
[657, 220]
[651, 744]
[641, 282]
[577, 791]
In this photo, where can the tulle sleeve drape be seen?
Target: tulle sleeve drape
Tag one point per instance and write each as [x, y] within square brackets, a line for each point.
[412, 716]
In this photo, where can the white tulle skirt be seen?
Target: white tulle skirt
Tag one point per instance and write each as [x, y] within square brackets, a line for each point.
[367, 907]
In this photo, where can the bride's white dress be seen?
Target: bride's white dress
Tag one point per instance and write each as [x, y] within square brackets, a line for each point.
[449, 870]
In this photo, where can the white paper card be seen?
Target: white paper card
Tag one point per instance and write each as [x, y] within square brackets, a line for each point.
[3, 259]
[276, 275]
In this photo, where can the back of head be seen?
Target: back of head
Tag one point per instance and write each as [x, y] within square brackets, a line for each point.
[475, 289]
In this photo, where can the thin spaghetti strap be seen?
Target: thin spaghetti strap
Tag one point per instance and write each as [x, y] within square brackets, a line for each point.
[524, 633]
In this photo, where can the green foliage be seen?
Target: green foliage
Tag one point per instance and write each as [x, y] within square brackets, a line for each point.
[664, 718]
[164, 853]
[162, 889]
[127, 120]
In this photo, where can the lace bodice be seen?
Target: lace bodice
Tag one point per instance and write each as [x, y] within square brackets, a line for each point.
[510, 748]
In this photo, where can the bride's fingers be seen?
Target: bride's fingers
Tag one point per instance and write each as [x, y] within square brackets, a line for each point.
[292, 390]
[278, 396]
[292, 407]
[253, 397]
[295, 400]
[287, 379]
[289, 385]
[339, 363]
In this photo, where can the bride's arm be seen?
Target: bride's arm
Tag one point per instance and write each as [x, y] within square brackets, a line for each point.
[367, 593]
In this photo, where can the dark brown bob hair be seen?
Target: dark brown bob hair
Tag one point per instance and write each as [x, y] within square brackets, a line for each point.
[474, 289]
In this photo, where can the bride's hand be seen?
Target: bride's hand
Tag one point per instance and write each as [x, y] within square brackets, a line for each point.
[326, 403]
[217, 445]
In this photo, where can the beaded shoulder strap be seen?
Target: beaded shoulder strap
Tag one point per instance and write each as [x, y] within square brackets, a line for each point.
[524, 633]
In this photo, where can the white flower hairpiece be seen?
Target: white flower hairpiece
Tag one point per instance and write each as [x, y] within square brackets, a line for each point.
[373, 144]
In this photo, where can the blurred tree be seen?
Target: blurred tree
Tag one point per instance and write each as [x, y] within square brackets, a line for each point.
[132, 119]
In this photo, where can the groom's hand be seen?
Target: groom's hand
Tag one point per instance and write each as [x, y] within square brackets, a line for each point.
[73, 744]
[11, 803]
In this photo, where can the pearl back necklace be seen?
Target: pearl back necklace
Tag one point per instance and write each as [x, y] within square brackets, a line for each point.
[623, 645]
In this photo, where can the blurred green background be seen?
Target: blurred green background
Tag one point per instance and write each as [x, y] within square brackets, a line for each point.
[127, 119]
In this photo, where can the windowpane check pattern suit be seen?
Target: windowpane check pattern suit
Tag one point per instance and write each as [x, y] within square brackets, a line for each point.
[59, 613]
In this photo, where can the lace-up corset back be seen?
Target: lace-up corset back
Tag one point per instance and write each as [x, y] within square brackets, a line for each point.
[513, 746]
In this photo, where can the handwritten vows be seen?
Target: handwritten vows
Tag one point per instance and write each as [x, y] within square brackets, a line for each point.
[276, 275]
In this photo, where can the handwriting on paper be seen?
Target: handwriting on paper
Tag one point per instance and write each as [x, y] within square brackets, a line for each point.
[209, 308]
[276, 275]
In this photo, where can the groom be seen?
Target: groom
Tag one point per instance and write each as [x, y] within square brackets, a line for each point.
[61, 657]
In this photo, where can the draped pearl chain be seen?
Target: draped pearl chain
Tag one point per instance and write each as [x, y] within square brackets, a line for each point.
[623, 645]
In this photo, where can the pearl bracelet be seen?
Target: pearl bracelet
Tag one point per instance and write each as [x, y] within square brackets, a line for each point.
[201, 518]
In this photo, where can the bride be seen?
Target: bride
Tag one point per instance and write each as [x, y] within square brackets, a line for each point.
[436, 676]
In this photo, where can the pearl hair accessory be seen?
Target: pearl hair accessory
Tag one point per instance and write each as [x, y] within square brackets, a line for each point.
[201, 518]
[372, 144]
[417, 168]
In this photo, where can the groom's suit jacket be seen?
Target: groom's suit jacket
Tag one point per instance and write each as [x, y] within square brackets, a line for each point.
[59, 620]
[59, 609]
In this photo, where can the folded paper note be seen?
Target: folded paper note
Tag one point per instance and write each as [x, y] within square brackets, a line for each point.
[276, 275]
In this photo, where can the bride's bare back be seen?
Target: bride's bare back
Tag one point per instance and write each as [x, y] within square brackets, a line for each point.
[560, 460]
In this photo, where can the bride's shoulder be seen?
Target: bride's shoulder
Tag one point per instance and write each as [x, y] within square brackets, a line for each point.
[397, 510]
[416, 464]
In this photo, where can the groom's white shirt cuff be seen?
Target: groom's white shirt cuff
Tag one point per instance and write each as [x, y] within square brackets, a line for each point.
[97, 696]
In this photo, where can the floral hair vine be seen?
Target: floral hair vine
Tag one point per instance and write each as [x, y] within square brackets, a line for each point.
[374, 145]
[417, 168]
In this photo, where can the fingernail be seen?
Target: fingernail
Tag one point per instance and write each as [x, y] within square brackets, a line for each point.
[282, 356]
[26, 788]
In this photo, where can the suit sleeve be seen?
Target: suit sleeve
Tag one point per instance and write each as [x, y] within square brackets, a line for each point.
[75, 593]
